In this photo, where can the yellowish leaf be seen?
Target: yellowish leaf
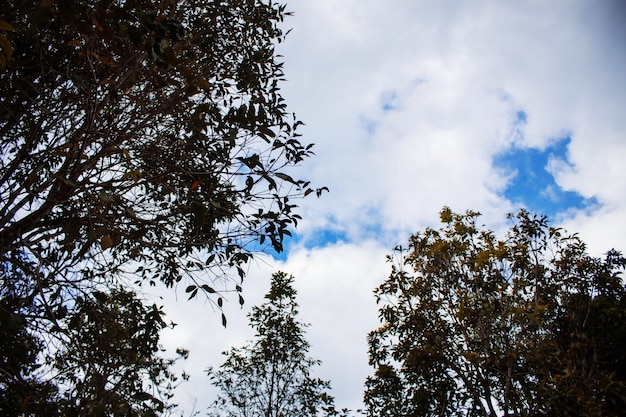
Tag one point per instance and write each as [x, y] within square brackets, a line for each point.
[7, 48]
[203, 83]
[106, 242]
[6, 27]
[471, 356]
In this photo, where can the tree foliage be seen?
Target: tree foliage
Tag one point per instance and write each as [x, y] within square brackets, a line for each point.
[270, 377]
[141, 140]
[104, 355]
[530, 325]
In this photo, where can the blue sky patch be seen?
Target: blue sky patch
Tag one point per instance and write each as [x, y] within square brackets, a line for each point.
[532, 185]
[320, 238]
[325, 237]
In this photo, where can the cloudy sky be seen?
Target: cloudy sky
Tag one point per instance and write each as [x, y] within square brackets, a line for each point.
[413, 105]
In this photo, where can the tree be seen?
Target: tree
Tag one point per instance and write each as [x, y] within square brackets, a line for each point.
[270, 377]
[530, 325]
[105, 354]
[142, 141]
[21, 392]
[117, 336]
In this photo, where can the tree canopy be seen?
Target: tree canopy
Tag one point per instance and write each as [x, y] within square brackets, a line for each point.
[270, 377]
[530, 325]
[142, 141]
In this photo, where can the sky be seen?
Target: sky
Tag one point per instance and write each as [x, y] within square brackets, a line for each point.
[414, 105]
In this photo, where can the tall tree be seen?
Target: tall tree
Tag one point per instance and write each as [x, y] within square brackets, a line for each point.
[530, 325]
[140, 140]
[270, 377]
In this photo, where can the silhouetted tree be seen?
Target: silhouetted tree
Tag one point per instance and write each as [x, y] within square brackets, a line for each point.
[270, 377]
[140, 140]
[475, 326]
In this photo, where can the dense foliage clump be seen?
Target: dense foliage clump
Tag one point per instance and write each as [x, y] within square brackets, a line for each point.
[140, 141]
[530, 325]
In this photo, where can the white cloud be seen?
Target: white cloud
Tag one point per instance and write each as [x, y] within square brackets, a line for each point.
[335, 292]
[458, 73]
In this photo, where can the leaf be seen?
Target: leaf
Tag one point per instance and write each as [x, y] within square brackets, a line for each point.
[267, 131]
[105, 197]
[143, 396]
[271, 184]
[135, 174]
[72, 229]
[106, 242]
[251, 161]
[241, 113]
[220, 302]
[195, 185]
[200, 214]
[286, 177]
[100, 296]
[319, 191]
[190, 288]
[208, 289]
[6, 27]
[6, 46]
[223, 320]
[202, 83]
[471, 356]
[241, 301]
[249, 183]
